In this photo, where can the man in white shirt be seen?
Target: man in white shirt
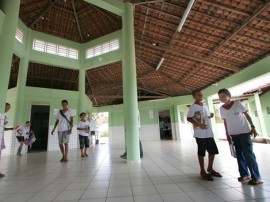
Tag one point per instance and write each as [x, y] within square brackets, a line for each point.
[64, 119]
[199, 116]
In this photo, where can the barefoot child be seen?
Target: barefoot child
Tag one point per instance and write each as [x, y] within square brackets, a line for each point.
[83, 128]
[199, 115]
[236, 119]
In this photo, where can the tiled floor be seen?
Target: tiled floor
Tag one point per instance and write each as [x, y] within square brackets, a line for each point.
[168, 172]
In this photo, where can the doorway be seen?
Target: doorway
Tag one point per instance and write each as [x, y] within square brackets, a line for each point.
[165, 125]
[40, 125]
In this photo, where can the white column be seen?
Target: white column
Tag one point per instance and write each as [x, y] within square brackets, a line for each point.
[260, 114]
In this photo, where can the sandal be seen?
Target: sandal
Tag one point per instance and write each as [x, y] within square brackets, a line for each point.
[62, 160]
[123, 156]
[2, 175]
[207, 177]
[82, 156]
[215, 174]
[86, 155]
[245, 178]
[255, 182]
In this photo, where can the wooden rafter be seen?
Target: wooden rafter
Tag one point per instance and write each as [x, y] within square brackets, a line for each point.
[43, 13]
[77, 20]
[191, 56]
[121, 96]
[246, 22]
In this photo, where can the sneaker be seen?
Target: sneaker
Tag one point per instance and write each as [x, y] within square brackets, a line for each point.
[255, 182]
[245, 178]
[123, 156]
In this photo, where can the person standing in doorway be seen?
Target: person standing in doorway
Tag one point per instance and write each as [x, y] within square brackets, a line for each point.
[83, 128]
[199, 116]
[22, 133]
[64, 119]
[236, 120]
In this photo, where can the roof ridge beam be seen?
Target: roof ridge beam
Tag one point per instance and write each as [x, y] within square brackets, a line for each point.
[115, 6]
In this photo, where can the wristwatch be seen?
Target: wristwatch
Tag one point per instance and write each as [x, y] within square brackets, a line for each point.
[252, 126]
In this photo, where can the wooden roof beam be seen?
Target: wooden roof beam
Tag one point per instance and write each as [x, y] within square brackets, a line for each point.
[233, 10]
[192, 11]
[43, 13]
[77, 20]
[246, 22]
[192, 56]
[141, 97]
[153, 91]
[140, 2]
[115, 6]
[162, 73]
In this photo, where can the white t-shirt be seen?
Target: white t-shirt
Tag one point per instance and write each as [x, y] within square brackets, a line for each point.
[236, 121]
[63, 125]
[93, 125]
[83, 124]
[204, 113]
[24, 131]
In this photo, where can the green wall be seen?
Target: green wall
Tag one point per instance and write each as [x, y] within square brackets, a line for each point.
[104, 59]
[2, 18]
[43, 96]
[265, 103]
[116, 111]
[253, 71]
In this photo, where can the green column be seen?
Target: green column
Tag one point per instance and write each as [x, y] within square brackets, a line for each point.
[212, 120]
[260, 114]
[20, 117]
[21, 83]
[81, 108]
[7, 38]
[130, 86]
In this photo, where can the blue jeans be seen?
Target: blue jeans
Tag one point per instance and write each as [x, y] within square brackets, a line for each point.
[246, 158]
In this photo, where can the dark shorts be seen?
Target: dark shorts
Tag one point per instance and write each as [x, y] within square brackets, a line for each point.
[84, 141]
[93, 133]
[20, 138]
[206, 144]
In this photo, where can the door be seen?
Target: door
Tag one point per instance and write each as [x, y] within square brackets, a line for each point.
[165, 126]
[40, 125]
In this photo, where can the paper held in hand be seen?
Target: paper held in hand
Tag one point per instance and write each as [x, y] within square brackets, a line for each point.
[233, 152]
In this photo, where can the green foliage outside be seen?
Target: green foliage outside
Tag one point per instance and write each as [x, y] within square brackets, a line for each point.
[104, 134]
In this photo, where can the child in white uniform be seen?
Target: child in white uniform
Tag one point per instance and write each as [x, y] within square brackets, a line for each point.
[22, 134]
[83, 128]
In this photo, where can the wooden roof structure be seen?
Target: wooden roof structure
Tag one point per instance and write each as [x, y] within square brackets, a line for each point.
[218, 39]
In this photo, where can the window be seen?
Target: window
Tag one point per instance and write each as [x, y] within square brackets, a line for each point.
[55, 49]
[19, 35]
[102, 48]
